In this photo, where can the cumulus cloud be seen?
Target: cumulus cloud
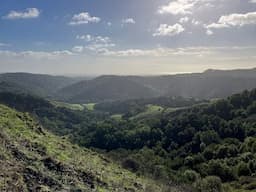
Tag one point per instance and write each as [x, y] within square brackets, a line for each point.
[209, 32]
[91, 38]
[184, 20]
[234, 20]
[78, 49]
[83, 18]
[182, 7]
[169, 30]
[177, 7]
[195, 22]
[29, 13]
[128, 21]
[96, 43]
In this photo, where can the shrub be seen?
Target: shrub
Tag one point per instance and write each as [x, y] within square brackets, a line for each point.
[190, 176]
[243, 169]
[131, 164]
[221, 169]
[209, 184]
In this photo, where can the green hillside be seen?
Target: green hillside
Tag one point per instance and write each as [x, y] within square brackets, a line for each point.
[32, 159]
[205, 145]
[207, 85]
[37, 84]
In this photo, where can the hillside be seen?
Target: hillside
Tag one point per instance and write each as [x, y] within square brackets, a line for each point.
[207, 85]
[105, 88]
[43, 85]
[32, 159]
[206, 143]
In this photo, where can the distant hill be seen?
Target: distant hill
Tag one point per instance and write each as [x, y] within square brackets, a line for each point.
[207, 85]
[106, 88]
[43, 85]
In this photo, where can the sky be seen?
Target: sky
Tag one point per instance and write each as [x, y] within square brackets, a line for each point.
[132, 37]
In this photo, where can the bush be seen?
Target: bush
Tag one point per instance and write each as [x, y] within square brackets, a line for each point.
[131, 164]
[221, 169]
[190, 176]
[209, 184]
[243, 169]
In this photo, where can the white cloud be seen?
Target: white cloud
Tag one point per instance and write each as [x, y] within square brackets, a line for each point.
[29, 13]
[165, 52]
[184, 20]
[78, 49]
[96, 43]
[182, 7]
[209, 32]
[169, 30]
[98, 47]
[128, 21]
[252, 1]
[195, 22]
[4, 45]
[83, 18]
[177, 7]
[216, 26]
[239, 19]
[109, 24]
[95, 39]
[234, 20]
[87, 38]
[160, 52]
[36, 54]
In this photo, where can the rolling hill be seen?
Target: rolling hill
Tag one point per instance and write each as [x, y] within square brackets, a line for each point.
[203, 146]
[32, 159]
[43, 85]
[207, 85]
[105, 88]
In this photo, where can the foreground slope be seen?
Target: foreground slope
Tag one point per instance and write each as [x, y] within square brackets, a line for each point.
[31, 159]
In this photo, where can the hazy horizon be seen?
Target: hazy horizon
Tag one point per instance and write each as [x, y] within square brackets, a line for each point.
[97, 75]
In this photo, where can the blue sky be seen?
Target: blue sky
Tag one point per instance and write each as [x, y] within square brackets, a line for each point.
[126, 37]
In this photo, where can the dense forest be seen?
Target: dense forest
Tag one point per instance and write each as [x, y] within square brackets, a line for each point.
[205, 143]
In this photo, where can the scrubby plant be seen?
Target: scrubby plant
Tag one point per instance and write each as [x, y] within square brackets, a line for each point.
[209, 184]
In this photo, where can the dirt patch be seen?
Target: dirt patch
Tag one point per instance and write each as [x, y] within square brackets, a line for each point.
[35, 180]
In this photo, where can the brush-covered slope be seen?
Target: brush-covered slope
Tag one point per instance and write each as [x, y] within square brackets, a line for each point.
[206, 85]
[106, 88]
[32, 159]
[43, 85]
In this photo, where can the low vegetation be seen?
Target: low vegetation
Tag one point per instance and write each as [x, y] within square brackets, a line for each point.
[202, 146]
[32, 159]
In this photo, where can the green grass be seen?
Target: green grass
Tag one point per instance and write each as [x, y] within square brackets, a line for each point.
[89, 106]
[77, 107]
[22, 133]
[151, 110]
[117, 117]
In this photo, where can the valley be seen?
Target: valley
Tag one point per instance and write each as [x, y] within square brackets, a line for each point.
[197, 144]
